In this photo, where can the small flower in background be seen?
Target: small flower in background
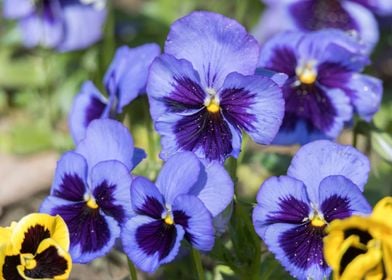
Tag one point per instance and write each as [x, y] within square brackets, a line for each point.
[35, 248]
[200, 92]
[65, 25]
[125, 79]
[325, 182]
[354, 16]
[361, 247]
[182, 203]
[91, 189]
[324, 86]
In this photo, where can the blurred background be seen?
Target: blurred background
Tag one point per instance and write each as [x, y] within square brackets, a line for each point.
[37, 86]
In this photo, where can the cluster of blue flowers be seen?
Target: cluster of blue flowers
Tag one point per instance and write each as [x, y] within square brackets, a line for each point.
[212, 83]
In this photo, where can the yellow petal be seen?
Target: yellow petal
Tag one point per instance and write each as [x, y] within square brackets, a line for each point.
[382, 210]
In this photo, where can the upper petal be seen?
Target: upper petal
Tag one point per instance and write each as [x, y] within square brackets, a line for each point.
[17, 8]
[214, 44]
[178, 175]
[340, 198]
[107, 139]
[319, 159]
[126, 77]
[253, 103]
[88, 105]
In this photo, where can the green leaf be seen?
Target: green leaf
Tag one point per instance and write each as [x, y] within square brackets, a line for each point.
[382, 144]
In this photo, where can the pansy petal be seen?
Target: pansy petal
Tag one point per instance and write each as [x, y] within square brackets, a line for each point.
[319, 159]
[299, 248]
[111, 187]
[70, 180]
[15, 9]
[253, 103]
[340, 198]
[80, 35]
[138, 156]
[88, 105]
[280, 200]
[173, 86]
[381, 7]
[149, 242]
[146, 198]
[194, 217]
[127, 74]
[366, 93]
[107, 139]
[178, 175]
[214, 187]
[195, 35]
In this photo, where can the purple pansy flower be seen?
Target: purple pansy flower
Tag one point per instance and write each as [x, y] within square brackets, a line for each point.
[91, 189]
[324, 182]
[125, 79]
[182, 203]
[324, 86]
[202, 91]
[310, 15]
[62, 24]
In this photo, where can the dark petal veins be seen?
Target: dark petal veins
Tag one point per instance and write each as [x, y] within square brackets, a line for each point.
[303, 245]
[94, 110]
[9, 269]
[318, 14]
[86, 226]
[156, 236]
[72, 188]
[333, 75]
[33, 237]
[364, 236]
[283, 60]
[104, 196]
[49, 264]
[182, 219]
[151, 207]
[205, 130]
[348, 256]
[335, 207]
[186, 95]
[311, 103]
[234, 104]
[293, 211]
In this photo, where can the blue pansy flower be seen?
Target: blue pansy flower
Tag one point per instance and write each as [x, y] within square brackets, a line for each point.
[91, 189]
[355, 16]
[125, 79]
[324, 86]
[182, 203]
[324, 182]
[202, 90]
[62, 24]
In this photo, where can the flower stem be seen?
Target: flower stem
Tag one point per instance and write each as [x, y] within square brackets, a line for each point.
[132, 270]
[197, 261]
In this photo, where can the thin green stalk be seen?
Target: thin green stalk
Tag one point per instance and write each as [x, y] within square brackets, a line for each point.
[132, 270]
[198, 265]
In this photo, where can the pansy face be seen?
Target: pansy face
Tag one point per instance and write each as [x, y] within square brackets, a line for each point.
[180, 205]
[91, 189]
[324, 87]
[360, 246]
[200, 97]
[293, 211]
[36, 248]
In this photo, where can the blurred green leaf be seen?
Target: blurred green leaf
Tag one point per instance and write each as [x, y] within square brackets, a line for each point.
[382, 144]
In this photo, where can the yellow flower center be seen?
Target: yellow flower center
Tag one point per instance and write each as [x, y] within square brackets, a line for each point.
[28, 261]
[90, 201]
[213, 106]
[318, 221]
[168, 219]
[307, 73]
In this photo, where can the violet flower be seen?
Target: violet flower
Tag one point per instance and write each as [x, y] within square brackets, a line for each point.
[324, 87]
[91, 189]
[181, 205]
[66, 25]
[354, 16]
[125, 79]
[324, 182]
[203, 93]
